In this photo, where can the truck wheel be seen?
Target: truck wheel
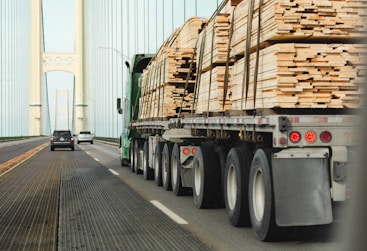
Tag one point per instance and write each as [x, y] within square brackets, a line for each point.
[132, 156]
[176, 180]
[221, 151]
[236, 185]
[158, 164]
[137, 147]
[166, 166]
[261, 201]
[147, 171]
[206, 177]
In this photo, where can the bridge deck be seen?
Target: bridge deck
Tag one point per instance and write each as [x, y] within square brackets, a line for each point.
[65, 200]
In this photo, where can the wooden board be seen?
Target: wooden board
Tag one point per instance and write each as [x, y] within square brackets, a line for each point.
[295, 75]
[235, 2]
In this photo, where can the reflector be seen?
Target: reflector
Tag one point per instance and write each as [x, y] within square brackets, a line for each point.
[325, 136]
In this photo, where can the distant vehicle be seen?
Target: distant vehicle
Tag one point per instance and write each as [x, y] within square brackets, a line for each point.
[85, 136]
[62, 139]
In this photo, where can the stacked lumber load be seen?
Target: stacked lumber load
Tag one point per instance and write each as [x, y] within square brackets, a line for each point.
[167, 84]
[213, 54]
[299, 75]
[326, 20]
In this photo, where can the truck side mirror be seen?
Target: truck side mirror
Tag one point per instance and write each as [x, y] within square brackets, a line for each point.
[119, 109]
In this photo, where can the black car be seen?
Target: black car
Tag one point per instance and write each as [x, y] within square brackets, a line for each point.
[62, 139]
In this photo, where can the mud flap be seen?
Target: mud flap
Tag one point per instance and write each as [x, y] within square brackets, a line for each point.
[302, 187]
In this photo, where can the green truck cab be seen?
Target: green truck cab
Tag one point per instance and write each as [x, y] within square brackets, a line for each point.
[128, 106]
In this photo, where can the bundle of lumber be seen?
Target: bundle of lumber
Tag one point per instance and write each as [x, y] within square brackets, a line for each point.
[166, 101]
[211, 91]
[212, 53]
[301, 75]
[167, 84]
[212, 48]
[188, 33]
[297, 20]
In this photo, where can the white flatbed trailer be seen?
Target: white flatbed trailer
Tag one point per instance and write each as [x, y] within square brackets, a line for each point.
[272, 172]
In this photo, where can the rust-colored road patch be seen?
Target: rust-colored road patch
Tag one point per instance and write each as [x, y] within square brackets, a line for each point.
[8, 165]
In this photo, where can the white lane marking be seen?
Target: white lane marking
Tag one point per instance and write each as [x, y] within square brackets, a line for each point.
[113, 172]
[168, 212]
[96, 159]
[87, 152]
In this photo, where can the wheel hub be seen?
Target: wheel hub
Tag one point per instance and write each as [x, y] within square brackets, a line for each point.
[258, 195]
[231, 187]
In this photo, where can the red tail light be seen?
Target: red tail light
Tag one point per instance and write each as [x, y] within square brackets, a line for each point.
[193, 150]
[294, 137]
[186, 151]
[310, 136]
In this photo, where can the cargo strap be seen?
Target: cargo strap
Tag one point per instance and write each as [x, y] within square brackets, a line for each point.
[226, 73]
[211, 66]
[256, 70]
[178, 122]
[246, 72]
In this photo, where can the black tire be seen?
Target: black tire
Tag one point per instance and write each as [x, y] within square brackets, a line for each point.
[236, 185]
[132, 156]
[157, 164]
[52, 148]
[261, 199]
[176, 179]
[166, 166]
[91, 142]
[124, 162]
[147, 171]
[72, 148]
[138, 161]
[222, 151]
[206, 178]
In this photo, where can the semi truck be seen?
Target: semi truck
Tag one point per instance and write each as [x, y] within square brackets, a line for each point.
[276, 167]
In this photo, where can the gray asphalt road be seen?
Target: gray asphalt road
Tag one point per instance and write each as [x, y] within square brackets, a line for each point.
[11, 149]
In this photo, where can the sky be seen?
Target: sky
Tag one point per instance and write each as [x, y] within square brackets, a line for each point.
[58, 19]
[129, 27]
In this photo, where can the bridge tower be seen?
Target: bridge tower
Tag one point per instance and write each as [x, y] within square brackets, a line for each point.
[42, 62]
